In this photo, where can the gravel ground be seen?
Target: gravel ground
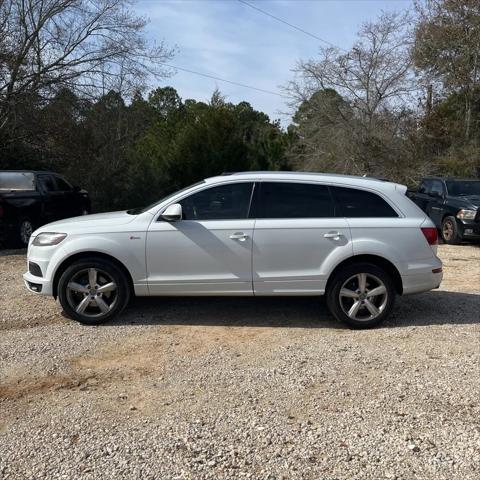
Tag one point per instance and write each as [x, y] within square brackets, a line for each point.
[242, 388]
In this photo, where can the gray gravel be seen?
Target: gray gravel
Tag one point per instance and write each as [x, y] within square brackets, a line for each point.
[242, 388]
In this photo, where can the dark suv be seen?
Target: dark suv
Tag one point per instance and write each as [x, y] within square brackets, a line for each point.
[30, 199]
[453, 204]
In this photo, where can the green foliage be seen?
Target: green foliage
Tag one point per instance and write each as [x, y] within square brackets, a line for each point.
[133, 154]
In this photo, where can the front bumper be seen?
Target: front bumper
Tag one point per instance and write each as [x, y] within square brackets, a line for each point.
[38, 285]
[46, 259]
[470, 229]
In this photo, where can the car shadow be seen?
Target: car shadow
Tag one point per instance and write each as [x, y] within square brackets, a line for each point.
[6, 252]
[432, 308]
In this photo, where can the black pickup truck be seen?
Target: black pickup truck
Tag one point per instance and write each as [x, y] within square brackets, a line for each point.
[453, 204]
[30, 199]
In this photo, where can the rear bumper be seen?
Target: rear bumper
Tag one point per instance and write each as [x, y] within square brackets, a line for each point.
[423, 278]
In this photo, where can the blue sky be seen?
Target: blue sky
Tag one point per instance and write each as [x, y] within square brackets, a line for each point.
[227, 39]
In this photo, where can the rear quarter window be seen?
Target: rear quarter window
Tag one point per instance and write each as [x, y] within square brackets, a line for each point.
[17, 181]
[355, 203]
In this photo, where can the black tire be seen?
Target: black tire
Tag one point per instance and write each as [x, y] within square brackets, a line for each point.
[23, 232]
[375, 277]
[450, 231]
[79, 274]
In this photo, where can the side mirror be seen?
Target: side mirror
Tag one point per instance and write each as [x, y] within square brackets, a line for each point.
[435, 194]
[172, 213]
[77, 189]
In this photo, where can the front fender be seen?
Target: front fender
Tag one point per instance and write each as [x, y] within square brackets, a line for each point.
[126, 248]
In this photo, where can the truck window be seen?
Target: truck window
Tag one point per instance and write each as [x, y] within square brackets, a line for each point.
[62, 185]
[425, 186]
[437, 187]
[12, 181]
[47, 183]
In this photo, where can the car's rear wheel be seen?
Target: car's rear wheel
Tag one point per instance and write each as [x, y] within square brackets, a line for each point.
[93, 290]
[450, 232]
[361, 295]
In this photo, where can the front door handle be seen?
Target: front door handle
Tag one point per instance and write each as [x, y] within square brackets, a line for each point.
[334, 235]
[240, 236]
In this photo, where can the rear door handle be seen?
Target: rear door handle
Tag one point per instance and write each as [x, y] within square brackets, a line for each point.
[334, 235]
[240, 236]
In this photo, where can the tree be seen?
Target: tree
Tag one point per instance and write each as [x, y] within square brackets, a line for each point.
[447, 49]
[353, 105]
[188, 141]
[87, 46]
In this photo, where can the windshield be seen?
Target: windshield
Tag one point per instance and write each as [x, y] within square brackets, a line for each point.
[463, 187]
[138, 211]
[13, 181]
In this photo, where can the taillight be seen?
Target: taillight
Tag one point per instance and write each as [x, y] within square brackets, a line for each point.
[431, 235]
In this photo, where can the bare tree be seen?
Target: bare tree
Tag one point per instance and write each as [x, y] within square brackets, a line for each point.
[374, 79]
[88, 46]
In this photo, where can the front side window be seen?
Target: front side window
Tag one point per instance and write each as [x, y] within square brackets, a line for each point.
[355, 203]
[437, 187]
[224, 202]
[294, 200]
[47, 183]
[425, 187]
[62, 185]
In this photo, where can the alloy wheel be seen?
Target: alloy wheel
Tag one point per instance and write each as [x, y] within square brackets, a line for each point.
[26, 230]
[92, 292]
[448, 230]
[363, 297]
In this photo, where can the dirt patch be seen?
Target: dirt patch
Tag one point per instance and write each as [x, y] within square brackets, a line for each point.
[15, 390]
[226, 388]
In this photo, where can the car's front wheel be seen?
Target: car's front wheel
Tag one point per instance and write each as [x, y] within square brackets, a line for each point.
[361, 295]
[450, 231]
[93, 290]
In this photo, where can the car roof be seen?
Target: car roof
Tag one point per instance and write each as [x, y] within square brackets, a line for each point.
[31, 171]
[332, 178]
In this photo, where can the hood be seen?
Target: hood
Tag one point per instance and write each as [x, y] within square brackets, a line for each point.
[87, 223]
[473, 200]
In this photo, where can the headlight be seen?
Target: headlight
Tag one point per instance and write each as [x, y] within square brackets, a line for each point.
[48, 238]
[465, 214]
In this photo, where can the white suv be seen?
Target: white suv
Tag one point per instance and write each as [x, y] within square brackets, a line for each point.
[359, 241]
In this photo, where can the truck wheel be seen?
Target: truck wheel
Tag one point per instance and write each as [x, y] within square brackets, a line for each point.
[93, 290]
[361, 295]
[24, 232]
[450, 233]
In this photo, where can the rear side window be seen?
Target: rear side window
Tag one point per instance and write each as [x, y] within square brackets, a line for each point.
[294, 200]
[355, 203]
[11, 181]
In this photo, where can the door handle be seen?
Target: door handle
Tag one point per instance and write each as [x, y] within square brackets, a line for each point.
[334, 235]
[240, 236]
